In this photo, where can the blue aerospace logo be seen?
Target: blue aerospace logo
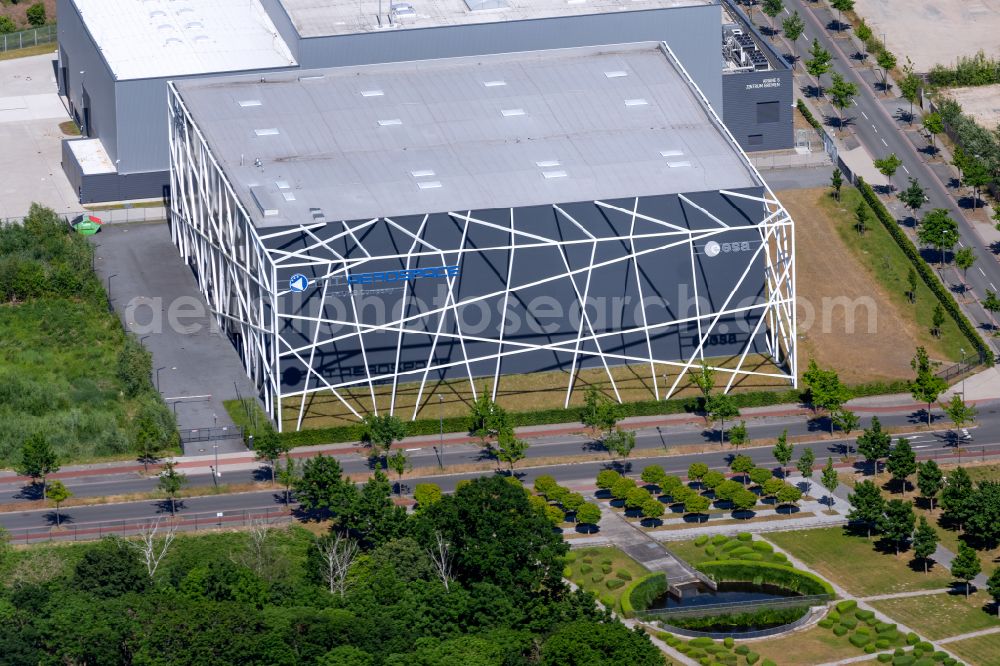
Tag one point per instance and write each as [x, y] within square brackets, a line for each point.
[403, 275]
[298, 283]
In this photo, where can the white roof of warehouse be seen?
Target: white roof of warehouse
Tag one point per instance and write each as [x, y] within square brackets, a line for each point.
[462, 134]
[315, 18]
[142, 39]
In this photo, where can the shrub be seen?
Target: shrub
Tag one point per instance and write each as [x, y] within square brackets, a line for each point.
[883, 627]
[570, 556]
[807, 114]
[779, 557]
[701, 540]
[624, 575]
[701, 642]
[640, 593]
[719, 539]
[597, 578]
[925, 661]
[763, 547]
[834, 615]
[585, 569]
[905, 660]
[608, 601]
[752, 657]
[884, 658]
[882, 643]
[849, 622]
[737, 553]
[731, 545]
[615, 583]
[870, 649]
[939, 656]
[864, 630]
[606, 568]
[859, 640]
[798, 581]
[768, 662]
[898, 652]
[744, 536]
[864, 614]
[840, 630]
[729, 641]
[741, 650]
[846, 605]
[567, 572]
[753, 557]
[710, 550]
[826, 623]
[925, 646]
[607, 560]
[912, 638]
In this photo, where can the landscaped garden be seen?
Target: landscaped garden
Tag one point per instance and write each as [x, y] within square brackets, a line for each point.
[604, 571]
[941, 615]
[705, 650]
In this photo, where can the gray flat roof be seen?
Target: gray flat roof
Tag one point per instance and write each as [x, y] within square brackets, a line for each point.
[318, 18]
[459, 134]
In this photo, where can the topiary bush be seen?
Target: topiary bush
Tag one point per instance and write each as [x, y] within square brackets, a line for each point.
[882, 643]
[864, 614]
[834, 615]
[925, 646]
[737, 553]
[905, 660]
[763, 547]
[870, 649]
[742, 650]
[849, 622]
[912, 638]
[731, 545]
[779, 557]
[640, 593]
[701, 540]
[597, 578]
[826, 623]
[624, 575]
[884, 658]
[752, 657]
[585, 569]
[846, 605]
[729, 642]
[752, 557]
[883, 627]
[615, 583]
[606, 568]
[744, 536]
[859, 640]
[719, 539]
[741, 571]
[701, 642]
[840, 630]
[710, 550]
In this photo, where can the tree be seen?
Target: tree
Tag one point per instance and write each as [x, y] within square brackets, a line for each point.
[934, 124]
[842, 93]
[7, 25]
[620, 442]
[841, 6]
[864, 32]
[897, 522]
[911, 282]
[772, 486]
[760, 476]
[742, 465]
[825, 390]
[696, 504]
[150, 547]
[58, 493]
[622, 486]
[789, 495]
[984, 522]
[269, 446]
[773, 7]
[793, 27]
[440, 554]
[959, 412]
[486, 418]
[929, 481]
[572, 503]
[913, 197]
[846, 421]
[704, 379]
[783, 451]
[697, 471]
[322, 486]
[888, 165]
[744, 501]
[829, 479]
[381, 431]
[836, 181]
[427, 494]
[977, 175]
[966, 565]
[153, 430]
[738, 435]
[171, 481]
[599, 412]
[991, 303]
[993, 587]
[653, 509]
[653, 474]
[287, 475]
[902, 462]
[938, 230]
[925, 541]
[861, 218]
[636, 497]
[727, 490]
[964, 259]
[909, 85]
[110, 569]
[957, 498]
[867, 505]
[927, 386]
[400, 464]
[937, 320]
[886, 60]
[336, 553]
[38, 460]
[720, 408]
[874, 443]
[373, 518]
[607, 478]
[36, 15]
[589, 514]
[806, 462]
[713, 479]
[511, 449]
[819, 63]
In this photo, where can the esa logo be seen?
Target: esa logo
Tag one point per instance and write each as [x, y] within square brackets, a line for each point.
[714, 249]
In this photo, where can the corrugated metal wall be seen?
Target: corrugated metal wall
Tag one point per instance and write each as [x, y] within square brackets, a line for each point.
[79, 52]
[747, 113]
[694, 34]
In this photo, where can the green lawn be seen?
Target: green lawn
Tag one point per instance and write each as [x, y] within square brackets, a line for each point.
[721, 547]
[853, 562]
[940, 615]
[889, 266]
[593, 569]
[979, 651]
[807, 648]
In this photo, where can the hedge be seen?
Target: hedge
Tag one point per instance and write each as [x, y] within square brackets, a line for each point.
[807, 114]
[453, 424]
[926, 273]
[802, 582]
[846, 605]
[640, 593]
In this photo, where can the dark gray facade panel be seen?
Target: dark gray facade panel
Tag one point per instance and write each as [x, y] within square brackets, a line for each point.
[546, 313]
[743, 92]
[693, 33]
[98, 188]
[91, 94]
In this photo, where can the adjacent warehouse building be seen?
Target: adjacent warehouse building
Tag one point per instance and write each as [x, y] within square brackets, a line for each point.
[116, 56]
[362, 232]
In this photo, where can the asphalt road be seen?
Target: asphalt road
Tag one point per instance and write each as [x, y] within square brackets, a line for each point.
[935, 443]
[879, 124]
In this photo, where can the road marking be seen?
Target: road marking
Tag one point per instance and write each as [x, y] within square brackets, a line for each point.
[961, 244]
[994, 286]
[874, 128]
[787, 12]
[905, 169]
[415, 449]
[981, 270]
[865, 115]
[884, 143]
[855, 104]
[922, 446]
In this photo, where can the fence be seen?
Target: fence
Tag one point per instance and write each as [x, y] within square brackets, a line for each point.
[108, 216]
[25, 38]
[734, 607]
[130, 527]
[966, 365]
[212, 434]
[760, 633]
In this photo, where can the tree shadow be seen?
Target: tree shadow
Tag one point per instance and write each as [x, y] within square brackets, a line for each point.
[697, 518]
[586, 528]
[917, 565]
[837, 26]
[920, 417]
[968, 202]
[810, 91]
[262, 473]
[652, 488]
[787, 509]
[995, 247]
[933, 256]
[64, 519]
[164, 505]
[592, 444]
[860, 57]
[903, 116]
[745, 514]
[930, 151]
[31, 492]
[791, 58]
[633, 513]
[602, 493]
[883, 87]
[623, 467]
[676, 508]
[617, 503]
[722, 505]
[651, 522]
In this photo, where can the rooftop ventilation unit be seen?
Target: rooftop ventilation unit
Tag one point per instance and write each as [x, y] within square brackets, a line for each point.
[372, 93]
[429, 184]
[266, 131]
[390, 122]
[617, 74]
[508, 113]
[494, 84]
[249, 102]
[636, 102]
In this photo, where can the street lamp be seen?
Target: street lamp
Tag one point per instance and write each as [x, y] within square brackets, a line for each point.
[962, 350]
[157, 374]
[109, 285]
[441, 433]
[215, 472]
